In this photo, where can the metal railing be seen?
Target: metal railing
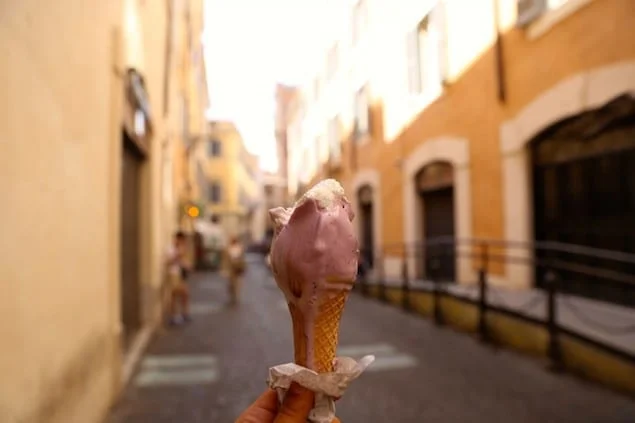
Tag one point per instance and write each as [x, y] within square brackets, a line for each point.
[561, 272]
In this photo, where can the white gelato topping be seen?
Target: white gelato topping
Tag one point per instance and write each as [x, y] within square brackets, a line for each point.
[325, 193]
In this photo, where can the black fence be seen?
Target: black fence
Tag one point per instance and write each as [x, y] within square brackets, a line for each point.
[561, 273]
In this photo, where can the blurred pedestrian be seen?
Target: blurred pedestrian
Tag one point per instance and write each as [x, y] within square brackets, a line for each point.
[215, 242]
[178, 272]
[235, 265]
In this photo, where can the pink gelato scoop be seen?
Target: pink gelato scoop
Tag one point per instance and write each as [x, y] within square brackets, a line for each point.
[314, 240]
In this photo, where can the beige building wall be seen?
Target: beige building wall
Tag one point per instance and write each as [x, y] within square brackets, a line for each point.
[60, 154]
[57, 154]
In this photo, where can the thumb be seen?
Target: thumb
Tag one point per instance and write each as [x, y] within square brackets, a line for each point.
[297, 404]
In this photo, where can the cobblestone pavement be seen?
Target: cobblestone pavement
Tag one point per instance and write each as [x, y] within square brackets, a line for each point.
[210, 370]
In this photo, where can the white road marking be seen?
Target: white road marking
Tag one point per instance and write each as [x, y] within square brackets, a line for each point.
[361, 350]
[387, 357]
[399, 361]
[178, 361]
[180, 378]
[177, 370]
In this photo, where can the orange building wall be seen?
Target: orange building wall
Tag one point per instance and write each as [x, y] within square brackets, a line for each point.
[469, 108]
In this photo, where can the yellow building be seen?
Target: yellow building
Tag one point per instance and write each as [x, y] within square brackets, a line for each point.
[87, 129]
[439, 117]
[233, 181]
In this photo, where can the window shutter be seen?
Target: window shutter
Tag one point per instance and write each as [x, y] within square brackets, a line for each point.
[439, 19]
[414, 68]
[529, 10]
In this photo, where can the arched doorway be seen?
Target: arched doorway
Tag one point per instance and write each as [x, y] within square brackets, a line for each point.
[366, 223]
[435, 188]
[584, 191]
[587, 90]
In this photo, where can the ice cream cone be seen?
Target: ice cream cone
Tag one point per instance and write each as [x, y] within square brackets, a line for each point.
[315, 345]
[314, 261]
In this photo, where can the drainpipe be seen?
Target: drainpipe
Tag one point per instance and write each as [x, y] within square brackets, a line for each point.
[498, 54]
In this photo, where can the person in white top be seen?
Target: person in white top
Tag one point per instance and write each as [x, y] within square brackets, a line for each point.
[235, 265]
[215, 241]
[177, 274]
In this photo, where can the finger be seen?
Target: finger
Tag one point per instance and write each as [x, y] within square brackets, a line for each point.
[297, 404]
[267, 401]
[264, 409]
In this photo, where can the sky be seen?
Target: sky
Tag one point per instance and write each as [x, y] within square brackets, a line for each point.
[249, 46]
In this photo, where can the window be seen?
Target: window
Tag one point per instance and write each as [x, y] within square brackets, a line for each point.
[530, 10]
[214, 192]
[539, 16]
[214, 148]
[414, 65]
[359, 21]
[426, 52]
[555, 4]
[332, 61]
[362, 121]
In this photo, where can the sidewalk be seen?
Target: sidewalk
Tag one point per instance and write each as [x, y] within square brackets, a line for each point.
[608, 323]
[212, 369]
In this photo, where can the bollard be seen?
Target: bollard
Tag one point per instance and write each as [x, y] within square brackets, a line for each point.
[436, 293]
[382, 282]
[554, 352]
[482, 298]
[482, 306]
[405, 285]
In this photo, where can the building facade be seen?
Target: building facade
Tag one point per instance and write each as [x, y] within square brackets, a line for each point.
[285, 97]
[233, 181]
[501, 120]
[275, 185]
[275, 194]
[90, 198]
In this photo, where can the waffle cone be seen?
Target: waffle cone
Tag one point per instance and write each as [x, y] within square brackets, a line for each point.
[325, 333]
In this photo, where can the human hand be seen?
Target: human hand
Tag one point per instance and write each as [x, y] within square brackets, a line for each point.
[296, 407]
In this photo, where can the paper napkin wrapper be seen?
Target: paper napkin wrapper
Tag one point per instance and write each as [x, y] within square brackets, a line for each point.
[327, 386]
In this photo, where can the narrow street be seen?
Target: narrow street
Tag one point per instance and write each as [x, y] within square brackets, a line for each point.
[212, 369]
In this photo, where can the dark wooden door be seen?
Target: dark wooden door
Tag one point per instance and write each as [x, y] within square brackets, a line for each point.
[584, 194]
[368, 242]
[438, 223]
[130, 241]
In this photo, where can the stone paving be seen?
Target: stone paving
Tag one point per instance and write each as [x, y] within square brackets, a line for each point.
[210, 370]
